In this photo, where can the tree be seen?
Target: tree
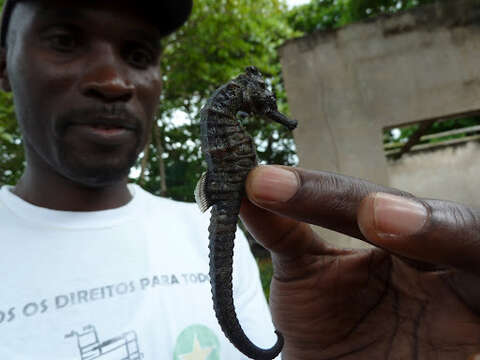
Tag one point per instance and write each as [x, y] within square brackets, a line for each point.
[331, 14]
[12, 159]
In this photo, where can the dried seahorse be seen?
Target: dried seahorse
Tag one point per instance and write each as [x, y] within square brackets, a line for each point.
[230, 154]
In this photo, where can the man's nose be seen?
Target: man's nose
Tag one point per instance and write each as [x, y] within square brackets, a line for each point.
[106, 76]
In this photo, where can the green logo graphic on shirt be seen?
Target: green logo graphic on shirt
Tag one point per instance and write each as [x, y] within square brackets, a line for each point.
[197, 342]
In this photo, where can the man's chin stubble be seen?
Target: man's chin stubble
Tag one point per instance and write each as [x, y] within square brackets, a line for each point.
[95, 176]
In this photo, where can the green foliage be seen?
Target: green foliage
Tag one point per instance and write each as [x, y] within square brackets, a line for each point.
[359, 10]
[12, 160]
[450, 124]
[183, 161]
[402, 134]
[390, 136]
[266, 274]
[319, 15]
[331, 14]
[221, 38]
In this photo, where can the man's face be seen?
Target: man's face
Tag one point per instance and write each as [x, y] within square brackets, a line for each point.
[86, 82]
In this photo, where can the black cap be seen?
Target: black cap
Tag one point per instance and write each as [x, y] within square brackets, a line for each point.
[169, 15]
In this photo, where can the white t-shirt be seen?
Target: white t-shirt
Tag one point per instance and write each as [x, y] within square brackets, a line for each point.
[121, 284]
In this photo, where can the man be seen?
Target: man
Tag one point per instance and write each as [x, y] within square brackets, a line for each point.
[86, 261]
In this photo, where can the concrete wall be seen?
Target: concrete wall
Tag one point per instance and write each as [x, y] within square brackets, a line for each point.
[346, 86]
[450, 173]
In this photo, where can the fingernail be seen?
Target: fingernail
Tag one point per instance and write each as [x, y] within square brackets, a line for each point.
[273, 184]
[398, 216]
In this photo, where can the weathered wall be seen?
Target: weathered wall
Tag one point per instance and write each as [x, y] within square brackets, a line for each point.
[451, 173]
[345, 86]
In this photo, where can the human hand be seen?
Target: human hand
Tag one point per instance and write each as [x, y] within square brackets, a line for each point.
[415, 296]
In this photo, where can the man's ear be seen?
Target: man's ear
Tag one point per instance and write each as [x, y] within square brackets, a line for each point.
[4, 81]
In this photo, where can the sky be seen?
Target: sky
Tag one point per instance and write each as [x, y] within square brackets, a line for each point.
[292, 3]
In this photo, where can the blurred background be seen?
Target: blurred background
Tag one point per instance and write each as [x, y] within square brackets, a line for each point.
[387, 90]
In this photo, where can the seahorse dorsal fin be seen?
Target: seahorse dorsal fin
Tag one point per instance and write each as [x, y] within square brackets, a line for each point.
[252, 70]
[201, 194]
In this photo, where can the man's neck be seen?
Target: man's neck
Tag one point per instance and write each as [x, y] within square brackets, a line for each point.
[59, 193]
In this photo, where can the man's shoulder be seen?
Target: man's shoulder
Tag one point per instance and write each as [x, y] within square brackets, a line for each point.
[4, 192]
[3, 188]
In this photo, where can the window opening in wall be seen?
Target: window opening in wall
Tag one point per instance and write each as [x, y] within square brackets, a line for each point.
[429, 135]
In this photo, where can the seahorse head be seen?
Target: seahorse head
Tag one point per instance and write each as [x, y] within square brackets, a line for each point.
[260, 100]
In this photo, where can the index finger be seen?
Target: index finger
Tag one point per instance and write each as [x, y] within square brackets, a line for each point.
[316, 197]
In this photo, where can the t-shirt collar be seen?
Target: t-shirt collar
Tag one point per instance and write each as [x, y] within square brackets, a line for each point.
[70, 219]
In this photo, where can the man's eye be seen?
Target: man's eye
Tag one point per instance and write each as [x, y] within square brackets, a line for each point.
[141, 58]
[63, 42]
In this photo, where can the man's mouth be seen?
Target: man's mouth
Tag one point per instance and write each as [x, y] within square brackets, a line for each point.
[104, 126]
[108, 122]
[106, 129]
[103, 132]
